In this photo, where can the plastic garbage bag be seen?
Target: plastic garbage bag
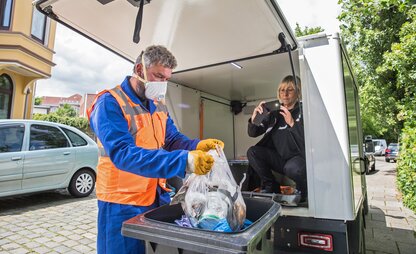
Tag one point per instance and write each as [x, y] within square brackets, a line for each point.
[209, 199]
[184, 222]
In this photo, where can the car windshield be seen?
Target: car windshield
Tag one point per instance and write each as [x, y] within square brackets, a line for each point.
[393, 147]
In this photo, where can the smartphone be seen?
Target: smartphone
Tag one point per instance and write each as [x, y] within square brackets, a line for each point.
[272, 105]
[267, 108]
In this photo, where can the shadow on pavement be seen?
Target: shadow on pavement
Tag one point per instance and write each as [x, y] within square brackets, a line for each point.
[382, 237]
[391, 172]
[29, 202]
[373, 172]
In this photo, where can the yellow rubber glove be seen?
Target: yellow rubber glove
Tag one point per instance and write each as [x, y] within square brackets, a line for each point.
[199, 162]
[208, 144]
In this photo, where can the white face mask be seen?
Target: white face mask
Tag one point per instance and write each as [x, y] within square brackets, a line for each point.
[154, 90]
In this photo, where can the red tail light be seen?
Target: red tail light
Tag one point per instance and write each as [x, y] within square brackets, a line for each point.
[316, 241]
[388, 150]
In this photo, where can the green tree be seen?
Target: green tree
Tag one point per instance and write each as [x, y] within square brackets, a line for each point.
[400, 61]
[38, 100]
[370, 28]
[307, 30]
[381, 36]
[66, 110]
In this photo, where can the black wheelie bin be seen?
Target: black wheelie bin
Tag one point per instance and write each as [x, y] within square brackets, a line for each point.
[161, 235]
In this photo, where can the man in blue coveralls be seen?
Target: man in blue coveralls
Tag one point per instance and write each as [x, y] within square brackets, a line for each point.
[140, 148]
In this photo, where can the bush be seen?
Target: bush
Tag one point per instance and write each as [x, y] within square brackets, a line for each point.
[406, 168]
[78, 122]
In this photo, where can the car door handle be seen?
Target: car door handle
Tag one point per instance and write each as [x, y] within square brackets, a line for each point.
[16, 158]
[67, 153]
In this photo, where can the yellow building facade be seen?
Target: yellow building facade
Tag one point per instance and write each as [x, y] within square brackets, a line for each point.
[27, 40]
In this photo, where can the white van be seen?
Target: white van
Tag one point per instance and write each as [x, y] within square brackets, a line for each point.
[235, 52]
[380, 146]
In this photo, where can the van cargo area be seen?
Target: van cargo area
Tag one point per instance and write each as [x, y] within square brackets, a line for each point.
[334, 208]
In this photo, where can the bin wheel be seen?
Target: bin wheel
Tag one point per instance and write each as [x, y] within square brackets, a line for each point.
[82, 183]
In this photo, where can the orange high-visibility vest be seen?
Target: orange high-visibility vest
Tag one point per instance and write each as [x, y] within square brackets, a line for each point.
[148, 130]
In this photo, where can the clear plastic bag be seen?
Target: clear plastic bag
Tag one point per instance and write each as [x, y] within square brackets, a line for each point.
[209, 199]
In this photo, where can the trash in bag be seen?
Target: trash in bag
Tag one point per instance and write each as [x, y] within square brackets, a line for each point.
[209, 199]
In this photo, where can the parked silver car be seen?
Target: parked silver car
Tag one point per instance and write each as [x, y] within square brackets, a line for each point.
[38, 156]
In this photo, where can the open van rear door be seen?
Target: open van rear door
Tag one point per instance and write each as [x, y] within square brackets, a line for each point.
[230, 29]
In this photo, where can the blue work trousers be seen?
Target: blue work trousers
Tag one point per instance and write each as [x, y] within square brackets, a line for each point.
[110, 219]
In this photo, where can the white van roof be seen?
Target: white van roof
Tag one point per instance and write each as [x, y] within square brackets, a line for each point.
[232, 30]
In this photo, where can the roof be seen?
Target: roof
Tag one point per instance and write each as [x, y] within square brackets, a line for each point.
[56, 101]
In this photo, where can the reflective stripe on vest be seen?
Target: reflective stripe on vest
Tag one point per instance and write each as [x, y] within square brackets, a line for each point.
[148, 131]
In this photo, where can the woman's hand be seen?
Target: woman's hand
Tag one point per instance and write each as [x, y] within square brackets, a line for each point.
[257, 110]
[287, 116]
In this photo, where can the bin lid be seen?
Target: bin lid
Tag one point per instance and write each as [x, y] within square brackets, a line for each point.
[231, 29]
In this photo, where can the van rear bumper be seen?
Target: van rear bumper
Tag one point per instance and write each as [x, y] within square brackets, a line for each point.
[347, 236]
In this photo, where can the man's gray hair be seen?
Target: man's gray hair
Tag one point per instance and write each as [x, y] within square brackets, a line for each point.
[157, 54]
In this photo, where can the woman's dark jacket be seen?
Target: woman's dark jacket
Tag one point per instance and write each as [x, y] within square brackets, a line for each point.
[287, 141]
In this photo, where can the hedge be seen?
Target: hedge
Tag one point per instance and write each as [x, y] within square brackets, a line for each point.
[78, 122]
[406, 167]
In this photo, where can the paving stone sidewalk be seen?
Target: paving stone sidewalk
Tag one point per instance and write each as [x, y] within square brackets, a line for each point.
[54, 222]
[391, 227]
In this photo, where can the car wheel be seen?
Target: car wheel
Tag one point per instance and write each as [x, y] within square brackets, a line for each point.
[82, 183]
[387, 160]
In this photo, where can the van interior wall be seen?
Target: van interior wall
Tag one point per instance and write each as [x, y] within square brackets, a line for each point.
[184, 108]
[242, 140]
[218, 122]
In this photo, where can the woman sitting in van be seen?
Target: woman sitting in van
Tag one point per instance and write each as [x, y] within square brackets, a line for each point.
[282, 148]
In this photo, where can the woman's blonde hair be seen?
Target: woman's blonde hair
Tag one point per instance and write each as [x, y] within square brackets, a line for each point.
[289, 80]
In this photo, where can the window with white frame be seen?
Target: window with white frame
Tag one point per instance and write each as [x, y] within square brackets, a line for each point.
[40, 26]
